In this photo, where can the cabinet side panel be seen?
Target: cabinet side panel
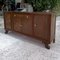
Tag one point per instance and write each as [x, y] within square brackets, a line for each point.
[53, 27]
[7, 20]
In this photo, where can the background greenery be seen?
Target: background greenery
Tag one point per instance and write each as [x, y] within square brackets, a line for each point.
[57, 10]
[41, 5]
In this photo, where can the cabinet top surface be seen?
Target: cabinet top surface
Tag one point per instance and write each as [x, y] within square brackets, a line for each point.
[30, 12]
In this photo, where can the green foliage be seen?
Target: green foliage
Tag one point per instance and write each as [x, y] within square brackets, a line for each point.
[0, 0]
[57, 9]
[41, 5]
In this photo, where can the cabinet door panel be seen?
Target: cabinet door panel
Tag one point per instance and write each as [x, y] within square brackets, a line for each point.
[42, 26]
[27, 24]
[7, 20]
[17, 22]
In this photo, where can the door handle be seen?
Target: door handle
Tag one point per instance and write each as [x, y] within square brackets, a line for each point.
[14, 15]
[27, 17]
[35, 25]
[20, 25]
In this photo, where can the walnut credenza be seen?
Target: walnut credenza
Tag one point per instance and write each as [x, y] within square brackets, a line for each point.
[40, 25]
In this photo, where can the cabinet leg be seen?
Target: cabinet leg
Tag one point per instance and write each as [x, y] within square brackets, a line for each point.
[6, 31]
[47, 46]
[54, 41]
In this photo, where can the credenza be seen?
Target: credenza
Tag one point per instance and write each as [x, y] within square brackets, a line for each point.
[40, 25]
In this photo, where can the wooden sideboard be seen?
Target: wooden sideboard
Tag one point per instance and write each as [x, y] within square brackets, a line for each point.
[40, 25]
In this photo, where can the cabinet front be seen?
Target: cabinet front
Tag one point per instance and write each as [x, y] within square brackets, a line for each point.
[17, 22]
[7, 20]
[42, 26]
[27, 24]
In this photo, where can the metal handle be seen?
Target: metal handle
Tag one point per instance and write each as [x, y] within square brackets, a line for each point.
[27, 17]
[20, 25]
[14, 15]
[35, 25]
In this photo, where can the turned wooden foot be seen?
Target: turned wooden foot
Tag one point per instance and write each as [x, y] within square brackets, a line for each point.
[47, 46]
[54, 41]
[6, 31]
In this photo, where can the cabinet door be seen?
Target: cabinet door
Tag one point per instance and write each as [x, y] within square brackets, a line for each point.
[42, 26]
[17, 22]
[7, 20]
[27, 24]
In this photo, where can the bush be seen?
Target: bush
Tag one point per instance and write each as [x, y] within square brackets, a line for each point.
[41, 5]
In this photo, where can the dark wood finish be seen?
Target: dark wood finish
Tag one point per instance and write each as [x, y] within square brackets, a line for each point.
[39, 25]
[17, 22]
[27, 24]
[7, 20]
